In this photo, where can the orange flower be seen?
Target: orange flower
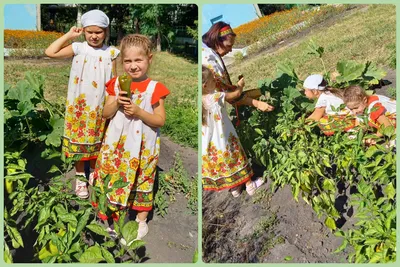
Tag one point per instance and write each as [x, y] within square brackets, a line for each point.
[93, 115]
[94, 84]
[270, 25]
[134, 163]
[109, 169]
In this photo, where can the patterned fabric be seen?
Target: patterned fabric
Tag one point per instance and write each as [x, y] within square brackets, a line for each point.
[225, 31]
[336, 119]
[214, 62]
[379, 105]
[224, 162]
[84, 124]
[329, 125]
[130, 153]
[332, 104]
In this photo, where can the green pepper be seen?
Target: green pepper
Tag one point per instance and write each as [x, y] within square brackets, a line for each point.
[125, 84]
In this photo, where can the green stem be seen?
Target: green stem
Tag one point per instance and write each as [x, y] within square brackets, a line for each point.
[48, 104]
[29, 127]
[323, 64]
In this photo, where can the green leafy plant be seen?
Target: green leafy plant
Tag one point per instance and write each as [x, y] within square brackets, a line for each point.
[294, 152]
[62, 226]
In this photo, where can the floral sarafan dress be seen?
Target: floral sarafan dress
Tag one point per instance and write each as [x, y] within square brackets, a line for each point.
[224, 162]
[84, 123]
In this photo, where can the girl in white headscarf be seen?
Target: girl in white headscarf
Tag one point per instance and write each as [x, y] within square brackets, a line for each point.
[93, 65]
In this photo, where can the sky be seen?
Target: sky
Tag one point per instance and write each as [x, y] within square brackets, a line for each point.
[23, 17]
[20, 17]
[234, 14]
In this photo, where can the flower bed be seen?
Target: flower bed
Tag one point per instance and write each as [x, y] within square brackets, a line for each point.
[271, 25]
[29, 39]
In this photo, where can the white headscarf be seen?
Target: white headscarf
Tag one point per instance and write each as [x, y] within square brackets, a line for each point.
[313, 82]
[95, 18]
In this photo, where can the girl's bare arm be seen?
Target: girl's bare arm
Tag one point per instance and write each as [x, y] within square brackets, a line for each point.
[383, 120]
[56, 49]
[317, 114]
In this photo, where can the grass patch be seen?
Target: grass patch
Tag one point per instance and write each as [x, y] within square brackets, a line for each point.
[178, 74]
[391, 92]
[366, 35]
[55, 71]
[175, 181]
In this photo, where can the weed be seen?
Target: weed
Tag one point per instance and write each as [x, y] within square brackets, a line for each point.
[262, 197]
[175, 181]
[392, 92]
[264, 225]
[238, 56]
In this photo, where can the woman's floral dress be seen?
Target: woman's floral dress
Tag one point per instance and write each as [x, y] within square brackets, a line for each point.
[84, 123]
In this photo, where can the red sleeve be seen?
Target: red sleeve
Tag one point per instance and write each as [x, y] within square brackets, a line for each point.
[110, 85]
[159, 92]
[376, 111]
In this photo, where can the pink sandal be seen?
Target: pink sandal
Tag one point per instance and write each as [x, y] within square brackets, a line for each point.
[254, 185]
[236, 191]
[91, 177]
[81, 189]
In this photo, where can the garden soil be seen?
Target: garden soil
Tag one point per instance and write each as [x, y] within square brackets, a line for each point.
[271, 227]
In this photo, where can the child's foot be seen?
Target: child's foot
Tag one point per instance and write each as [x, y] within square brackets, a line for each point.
[142, 232]
[91, 177]
[254, 185]
[236, 191]
[81, 189]
[143, 229]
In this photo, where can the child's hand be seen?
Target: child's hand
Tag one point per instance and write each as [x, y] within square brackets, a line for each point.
[75, 32]
[131, 109]
[123, 99]
[241, 83]
[264, 106]
[370, 142]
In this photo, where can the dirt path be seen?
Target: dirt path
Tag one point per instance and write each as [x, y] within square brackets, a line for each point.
[173, 238]
[271, 227]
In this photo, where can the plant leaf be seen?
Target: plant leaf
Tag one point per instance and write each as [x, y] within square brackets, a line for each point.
[330, 223]
[98, 229]
[129, 231]
[92, 255]
[107, 255]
